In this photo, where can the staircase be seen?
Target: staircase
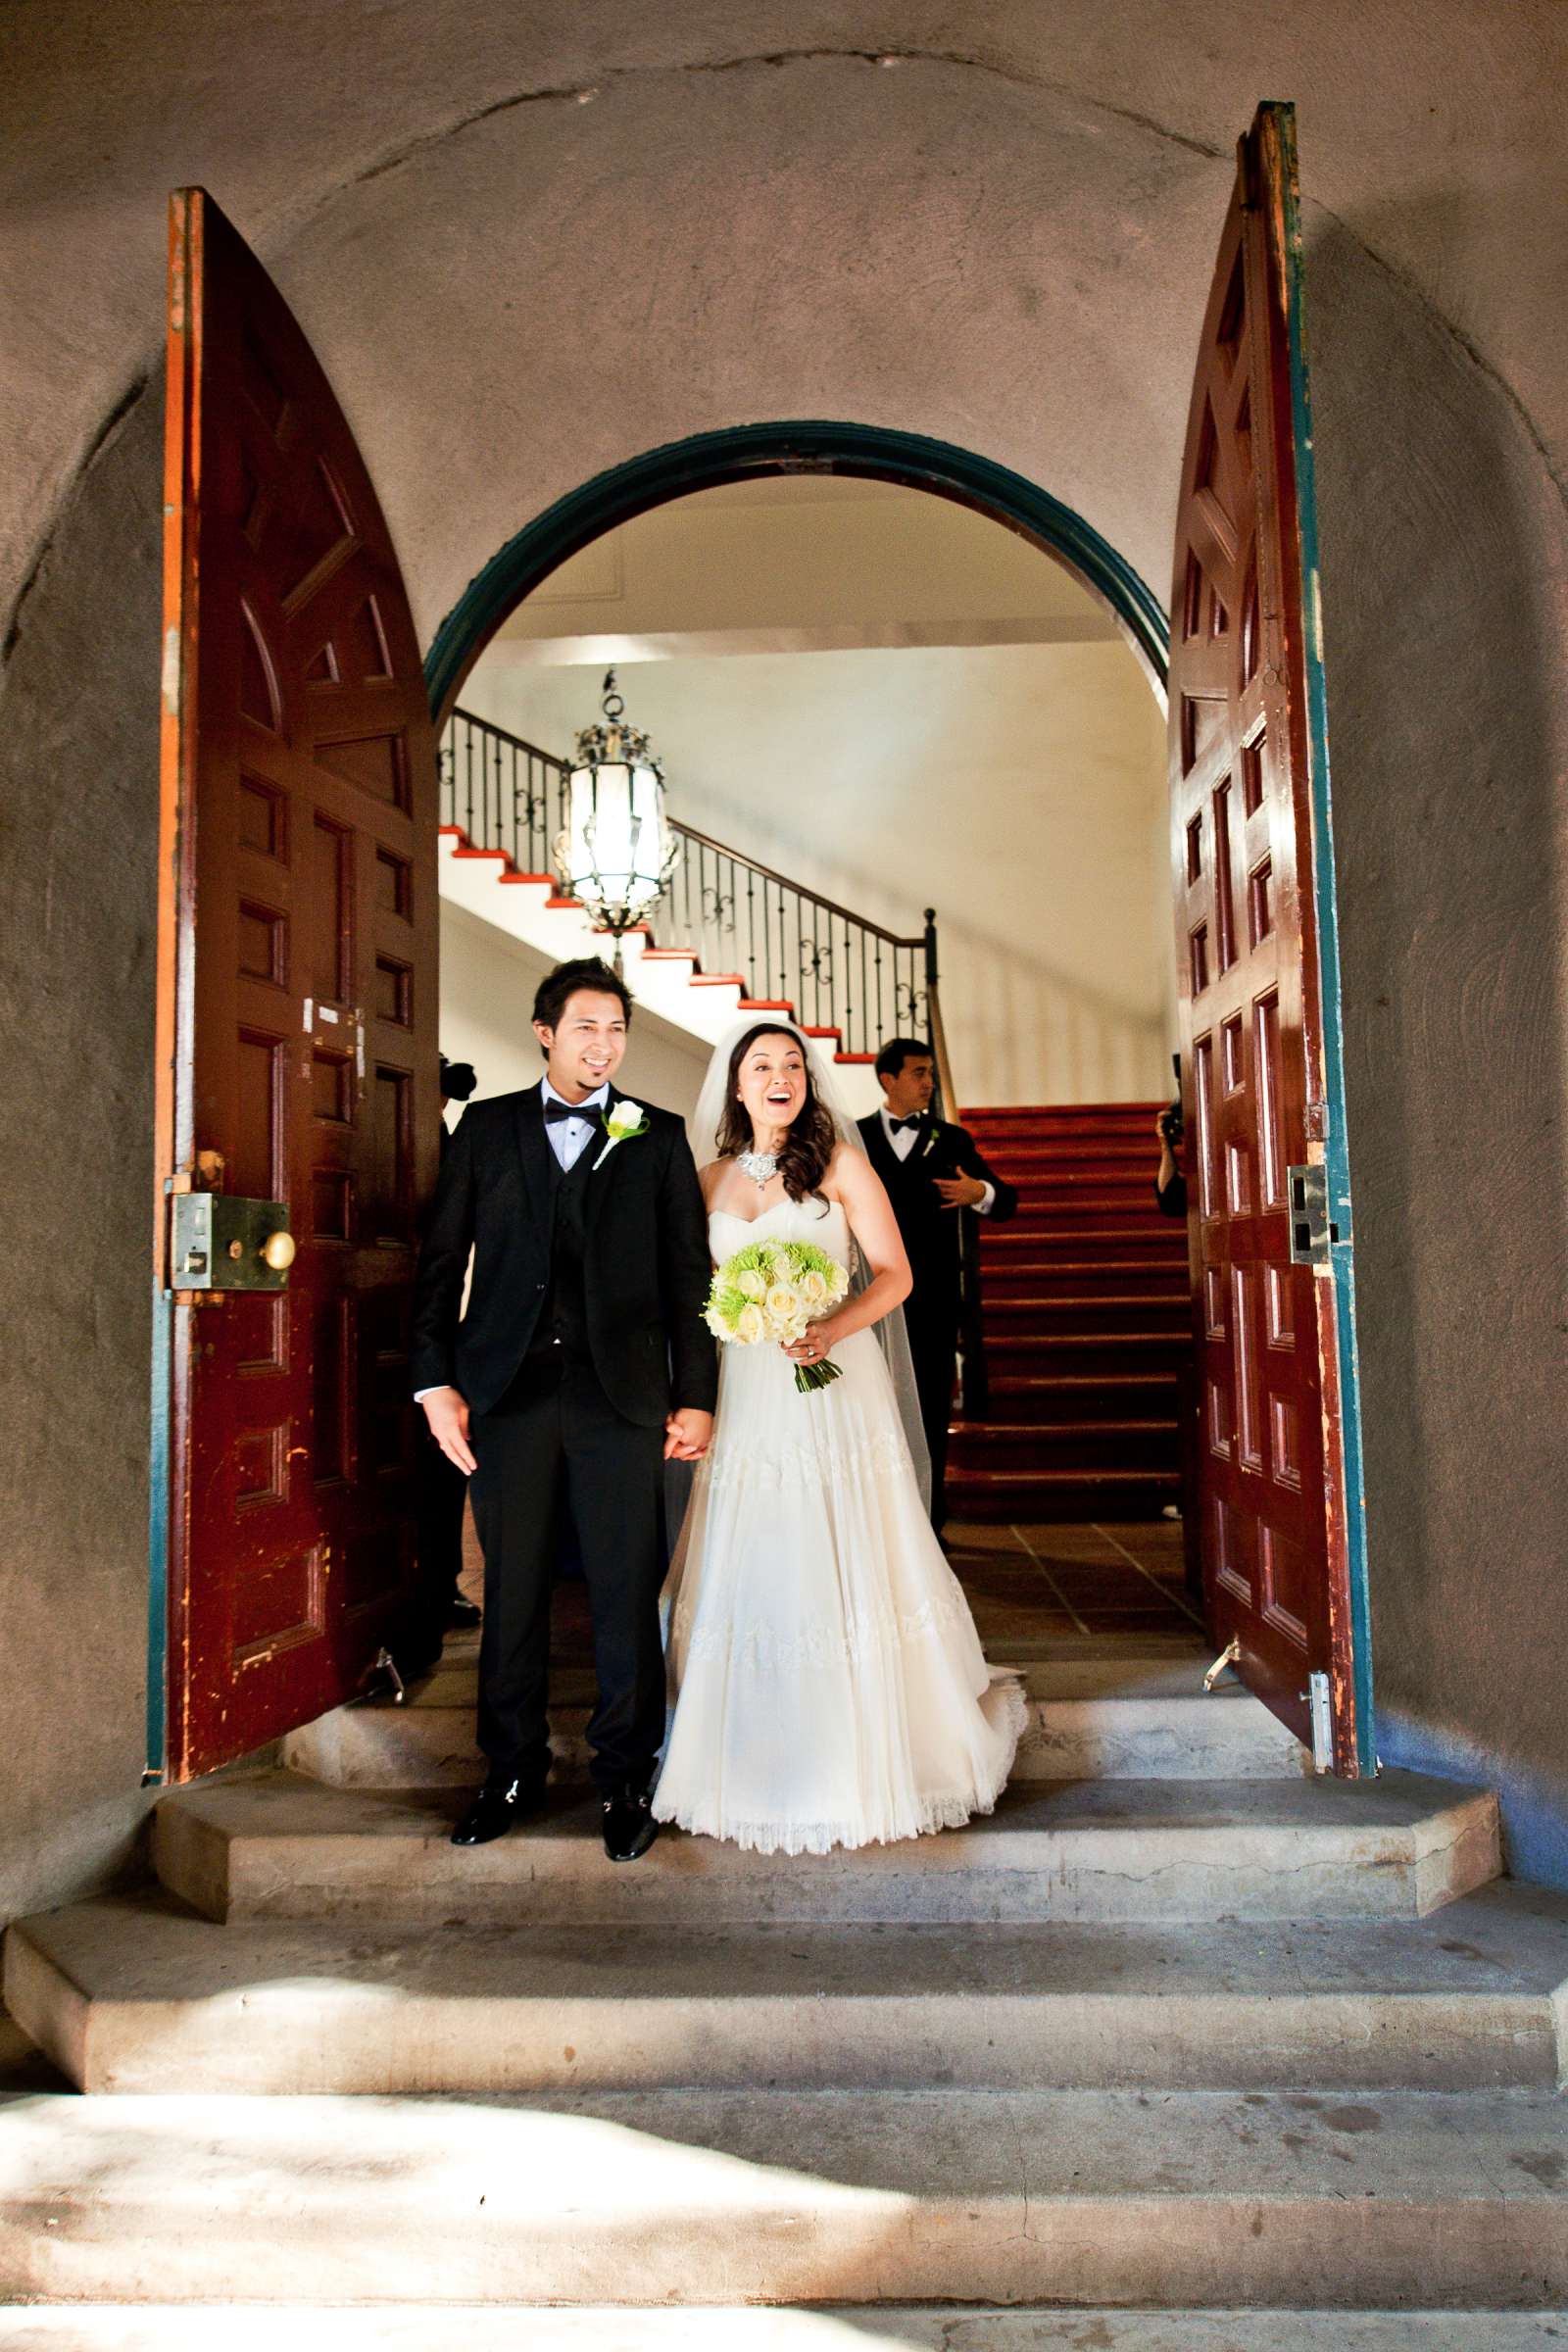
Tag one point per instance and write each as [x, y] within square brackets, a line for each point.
[1177, 2026]
[1086, 1323]
[734, 935]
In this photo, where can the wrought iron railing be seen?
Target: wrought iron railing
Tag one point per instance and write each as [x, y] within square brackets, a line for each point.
[785, 943]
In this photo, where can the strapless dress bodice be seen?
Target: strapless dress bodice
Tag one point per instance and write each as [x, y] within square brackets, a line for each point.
[786, 1221]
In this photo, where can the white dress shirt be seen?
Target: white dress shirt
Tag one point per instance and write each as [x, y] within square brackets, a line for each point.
[902, 1142]
[566, 1138]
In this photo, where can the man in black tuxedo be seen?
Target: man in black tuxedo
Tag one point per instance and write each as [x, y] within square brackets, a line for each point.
[934, 1175]
[581, 1364]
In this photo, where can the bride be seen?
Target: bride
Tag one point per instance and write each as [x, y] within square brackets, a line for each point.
[829, 1685]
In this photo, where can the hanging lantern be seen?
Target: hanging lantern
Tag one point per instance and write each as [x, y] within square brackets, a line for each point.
[617, 852]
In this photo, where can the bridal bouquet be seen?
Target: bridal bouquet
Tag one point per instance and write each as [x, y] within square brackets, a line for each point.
[771, 1292]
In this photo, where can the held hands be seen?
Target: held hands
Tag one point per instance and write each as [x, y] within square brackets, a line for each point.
[447, 1412]
[687, 1434]
[961, 1192]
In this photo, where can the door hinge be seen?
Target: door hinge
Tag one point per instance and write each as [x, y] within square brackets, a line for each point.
[1320, 1701]
[1312, 1231]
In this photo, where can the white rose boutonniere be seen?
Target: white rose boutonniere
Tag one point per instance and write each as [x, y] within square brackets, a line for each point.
[625, 1121]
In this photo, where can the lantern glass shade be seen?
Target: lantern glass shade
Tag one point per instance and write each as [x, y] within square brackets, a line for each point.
[618, 850]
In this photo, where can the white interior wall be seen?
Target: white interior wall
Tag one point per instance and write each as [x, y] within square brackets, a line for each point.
[488, 981]
[892, 758]
[809, 552]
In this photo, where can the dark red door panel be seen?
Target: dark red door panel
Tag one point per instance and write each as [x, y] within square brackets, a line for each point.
[297, 1012]
[1269, 1506]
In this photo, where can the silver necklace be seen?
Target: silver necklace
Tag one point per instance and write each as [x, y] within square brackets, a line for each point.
[760, 1166]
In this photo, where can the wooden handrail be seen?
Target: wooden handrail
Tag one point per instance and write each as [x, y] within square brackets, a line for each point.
[939, 1051]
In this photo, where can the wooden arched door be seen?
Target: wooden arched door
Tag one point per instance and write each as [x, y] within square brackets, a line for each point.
[297, 1084]
[1275, 1512]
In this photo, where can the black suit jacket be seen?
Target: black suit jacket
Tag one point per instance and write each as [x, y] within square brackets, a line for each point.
[646, 1265]
[932, 1234]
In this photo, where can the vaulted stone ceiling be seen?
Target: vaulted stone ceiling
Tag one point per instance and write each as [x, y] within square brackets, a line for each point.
[491, 216]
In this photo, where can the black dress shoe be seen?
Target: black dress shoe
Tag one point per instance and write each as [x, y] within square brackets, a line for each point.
[462, 1615]
[629, 1825]
[498, 1805]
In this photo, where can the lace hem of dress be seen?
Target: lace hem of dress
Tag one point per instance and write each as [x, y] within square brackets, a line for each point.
[948, 1811]
[882, 1455]
[759, 1650]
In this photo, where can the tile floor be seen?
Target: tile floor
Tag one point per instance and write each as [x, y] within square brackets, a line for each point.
[1031, 1583]
[1027, 1586]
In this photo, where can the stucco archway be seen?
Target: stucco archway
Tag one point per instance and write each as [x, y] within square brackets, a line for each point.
[705, 461]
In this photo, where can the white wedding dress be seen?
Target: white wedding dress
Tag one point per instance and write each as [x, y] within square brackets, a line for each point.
[829, 1684]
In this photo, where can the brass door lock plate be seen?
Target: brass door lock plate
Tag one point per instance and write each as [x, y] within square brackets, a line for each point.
[222, 1243]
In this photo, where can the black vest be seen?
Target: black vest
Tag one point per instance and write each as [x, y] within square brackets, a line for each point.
[561, 1331]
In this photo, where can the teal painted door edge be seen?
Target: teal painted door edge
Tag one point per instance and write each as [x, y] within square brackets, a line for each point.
[1336, 1148]
[158, 1540]
[708, 460]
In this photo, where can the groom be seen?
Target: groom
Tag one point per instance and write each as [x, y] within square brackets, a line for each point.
[581, 1364]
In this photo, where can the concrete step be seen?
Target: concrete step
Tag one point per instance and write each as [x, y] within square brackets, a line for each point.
[1091, 1717]
[281, 1847]
[1126, 2198]
[135, 1995]
[826, 2328]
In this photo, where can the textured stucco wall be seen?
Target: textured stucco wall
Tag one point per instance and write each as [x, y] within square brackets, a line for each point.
[79, 764]
[1445, 598]
[1003, 239]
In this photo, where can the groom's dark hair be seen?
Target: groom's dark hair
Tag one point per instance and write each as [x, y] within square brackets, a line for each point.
[583, 971]
[896, 1051]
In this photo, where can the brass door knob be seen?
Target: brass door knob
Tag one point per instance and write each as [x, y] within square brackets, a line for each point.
[279, 1250]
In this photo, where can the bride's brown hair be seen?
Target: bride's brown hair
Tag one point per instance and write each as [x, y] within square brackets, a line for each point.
[809, 1140]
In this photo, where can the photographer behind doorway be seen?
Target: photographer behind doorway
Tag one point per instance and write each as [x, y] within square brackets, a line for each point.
[1170, 1185]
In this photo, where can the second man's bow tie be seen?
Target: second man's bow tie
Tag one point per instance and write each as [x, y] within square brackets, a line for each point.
[915, 1119]
[555, 1112]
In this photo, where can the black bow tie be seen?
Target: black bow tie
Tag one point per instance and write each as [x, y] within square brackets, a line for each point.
[556, 1112]
[915, 1119]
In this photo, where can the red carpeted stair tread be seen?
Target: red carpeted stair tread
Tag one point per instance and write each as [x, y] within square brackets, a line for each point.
[1086, 1312]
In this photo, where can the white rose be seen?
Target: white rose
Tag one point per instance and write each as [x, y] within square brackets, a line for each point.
[812, 1288]
[751, 1283]
[750, 1326]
